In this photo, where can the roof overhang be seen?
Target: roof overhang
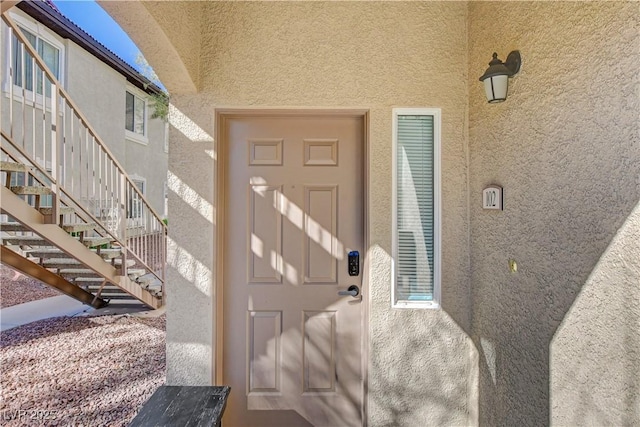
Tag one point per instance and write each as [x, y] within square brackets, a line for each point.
[65, 28]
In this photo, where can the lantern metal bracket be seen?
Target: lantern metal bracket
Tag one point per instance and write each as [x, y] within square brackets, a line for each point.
[513, 61]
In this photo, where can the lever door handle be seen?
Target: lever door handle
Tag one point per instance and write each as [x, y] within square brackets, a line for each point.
[352, 290]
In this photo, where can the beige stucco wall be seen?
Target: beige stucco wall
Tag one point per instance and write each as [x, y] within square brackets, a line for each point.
[369, 55]
[109, 110]
[558, 340]
[168, 32]
[555, 343]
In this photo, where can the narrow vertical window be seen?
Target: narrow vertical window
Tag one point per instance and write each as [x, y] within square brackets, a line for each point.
[51, 57]
[23, 61]
[135, 199]
[416, 240]
[128, 116]
[135, 114]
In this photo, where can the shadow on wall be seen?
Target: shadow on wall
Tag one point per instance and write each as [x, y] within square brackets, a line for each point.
[595, 353]
[438, 387]
[189, 278]
[587, 373]
[558, 340]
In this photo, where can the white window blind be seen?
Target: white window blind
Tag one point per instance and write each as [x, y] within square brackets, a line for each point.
[416, 205]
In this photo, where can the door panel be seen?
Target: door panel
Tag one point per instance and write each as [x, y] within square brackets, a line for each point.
[320, 225]
[294, 209]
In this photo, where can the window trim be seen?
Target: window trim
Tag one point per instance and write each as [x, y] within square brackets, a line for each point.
[436, 113]
[133, 136]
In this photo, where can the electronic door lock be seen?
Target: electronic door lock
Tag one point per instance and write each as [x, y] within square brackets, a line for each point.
[354, 263]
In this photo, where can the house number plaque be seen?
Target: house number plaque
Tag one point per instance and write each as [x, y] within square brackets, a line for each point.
[492, 197]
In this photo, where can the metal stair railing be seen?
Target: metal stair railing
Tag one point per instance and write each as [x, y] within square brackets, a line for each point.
[43, 127]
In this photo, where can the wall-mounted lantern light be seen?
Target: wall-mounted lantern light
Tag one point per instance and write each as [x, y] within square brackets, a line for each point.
[496, 78]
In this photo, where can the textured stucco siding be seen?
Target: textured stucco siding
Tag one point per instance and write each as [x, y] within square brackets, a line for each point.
[99, 92]
[180, 21]
[168, 32]
[558, 340]
[335, 55]
[95, 88]
[150, 159]
[189, 285]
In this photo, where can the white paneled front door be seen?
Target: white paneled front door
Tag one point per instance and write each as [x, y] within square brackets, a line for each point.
[294, 209]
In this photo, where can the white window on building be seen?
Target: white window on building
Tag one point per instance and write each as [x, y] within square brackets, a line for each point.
[166, 137]
[416, 216]
[135, 114]
[166, 200]
[26, 72]
[135, 201]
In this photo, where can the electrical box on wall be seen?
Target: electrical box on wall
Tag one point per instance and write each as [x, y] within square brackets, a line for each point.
[492, 197]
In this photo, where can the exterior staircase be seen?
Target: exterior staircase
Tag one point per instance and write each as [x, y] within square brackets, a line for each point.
[71, 216]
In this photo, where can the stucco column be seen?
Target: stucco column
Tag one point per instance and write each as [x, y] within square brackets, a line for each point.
[190, 289]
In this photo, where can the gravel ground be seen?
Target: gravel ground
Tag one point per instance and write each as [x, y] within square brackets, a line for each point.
[16, 288]
[82, 371]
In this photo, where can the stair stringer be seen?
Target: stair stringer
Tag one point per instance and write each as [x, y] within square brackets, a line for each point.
[20, 210]
[40, 273]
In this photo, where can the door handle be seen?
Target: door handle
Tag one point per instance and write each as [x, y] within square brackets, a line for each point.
[352, 290]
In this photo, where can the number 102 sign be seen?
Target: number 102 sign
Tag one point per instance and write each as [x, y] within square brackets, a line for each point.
[492, 197]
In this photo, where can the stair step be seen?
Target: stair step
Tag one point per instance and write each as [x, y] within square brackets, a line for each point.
[13, 167]
[109, 253]
[77, 272]
[95, 288]
[55, 253]
[109, 292]
[25, 241]
[13, 226]
[110, 296]
[72, 263]
[75, 228]
[89, 280]
[118, 262]
[63, 210]
[135, 273]
[62, 263]
[47, 253]
[69, 228]
[92, 242]
[147, 280]
[31, 190]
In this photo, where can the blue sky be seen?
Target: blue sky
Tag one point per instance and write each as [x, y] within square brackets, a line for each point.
[89, 16]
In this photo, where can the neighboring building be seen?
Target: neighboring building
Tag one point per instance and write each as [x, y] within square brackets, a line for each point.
[115, 99]
[527, 316]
